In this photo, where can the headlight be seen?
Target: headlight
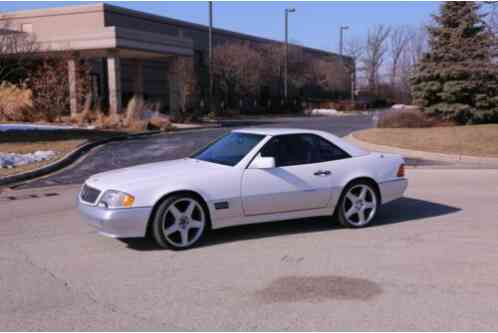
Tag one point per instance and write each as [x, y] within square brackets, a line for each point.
[116, 199]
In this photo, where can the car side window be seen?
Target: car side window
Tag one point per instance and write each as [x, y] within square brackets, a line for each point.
[327, 151]
[288, 150]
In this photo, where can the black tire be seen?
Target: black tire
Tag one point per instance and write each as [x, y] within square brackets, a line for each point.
[160, 220]
[345, 204]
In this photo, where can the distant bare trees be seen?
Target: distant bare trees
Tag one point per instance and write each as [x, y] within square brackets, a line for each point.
[246, 74]
[418, 44]
[238, 70]
[375, 51]
[385, 59]
[411, 55]
[399, 40]
[492, 17]
[323, 74]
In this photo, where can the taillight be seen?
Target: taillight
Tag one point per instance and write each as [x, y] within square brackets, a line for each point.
[401, 171]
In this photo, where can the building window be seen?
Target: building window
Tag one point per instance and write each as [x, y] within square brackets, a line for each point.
[27, 27]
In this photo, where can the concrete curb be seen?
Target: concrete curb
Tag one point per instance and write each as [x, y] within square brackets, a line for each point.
[80, 151]
[464, 159]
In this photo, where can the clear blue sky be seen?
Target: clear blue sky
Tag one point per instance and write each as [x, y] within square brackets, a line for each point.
[314, 24]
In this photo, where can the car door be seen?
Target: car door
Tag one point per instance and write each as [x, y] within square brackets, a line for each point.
[337, 161]
[298, 182]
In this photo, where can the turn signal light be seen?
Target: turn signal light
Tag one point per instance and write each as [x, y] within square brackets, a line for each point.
[128, 201]
[401, 171]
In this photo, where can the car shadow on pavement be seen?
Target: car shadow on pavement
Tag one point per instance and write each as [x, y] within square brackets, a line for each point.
[398, 211]
[409, 210]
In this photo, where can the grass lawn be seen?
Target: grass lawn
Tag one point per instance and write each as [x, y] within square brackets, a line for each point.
[474, 140]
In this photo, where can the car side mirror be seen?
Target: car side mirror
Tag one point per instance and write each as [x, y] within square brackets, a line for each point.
[261, 162]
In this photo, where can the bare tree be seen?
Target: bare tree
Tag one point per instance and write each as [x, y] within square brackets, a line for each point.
[273, 65]
[412, 53]
[492, 21]
[49, 83]
[398, 42]
[492, 15]
[184, 89]
[355, 49]
[323, 73]
[16, 51]
[375, 52]
[237, 68]
[417, 44]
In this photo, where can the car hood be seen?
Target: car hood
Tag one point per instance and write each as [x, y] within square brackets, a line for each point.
[166, 171]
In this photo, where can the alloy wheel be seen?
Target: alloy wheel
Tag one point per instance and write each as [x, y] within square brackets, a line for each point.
[360, 205]
[183, 222]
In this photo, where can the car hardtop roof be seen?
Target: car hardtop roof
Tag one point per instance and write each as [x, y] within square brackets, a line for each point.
[276, 131]
[350, 148]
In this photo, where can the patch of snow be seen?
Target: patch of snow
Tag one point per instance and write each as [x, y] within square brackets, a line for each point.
[324, 112]
[12, 160]
[27, 127]
[406, 107]
[398, 106]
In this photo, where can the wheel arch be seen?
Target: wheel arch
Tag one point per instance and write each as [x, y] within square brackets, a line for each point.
[367, 179]
[165, 196]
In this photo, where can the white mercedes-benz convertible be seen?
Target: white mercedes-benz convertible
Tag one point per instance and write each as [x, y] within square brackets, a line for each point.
[246, 176]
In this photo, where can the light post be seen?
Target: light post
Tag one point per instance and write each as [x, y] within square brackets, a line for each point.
[352, 69]
[286, 62]
[210, 97]
[341, 37]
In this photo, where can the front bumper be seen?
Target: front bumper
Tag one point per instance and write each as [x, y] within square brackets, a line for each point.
[117, 223]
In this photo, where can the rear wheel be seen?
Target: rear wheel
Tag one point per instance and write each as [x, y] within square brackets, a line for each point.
[358, 205]
[180, 222]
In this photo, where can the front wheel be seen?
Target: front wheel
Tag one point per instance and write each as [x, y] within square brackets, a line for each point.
[180, 222]
[358, 205]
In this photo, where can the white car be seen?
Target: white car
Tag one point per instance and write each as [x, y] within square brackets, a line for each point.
[246, 176]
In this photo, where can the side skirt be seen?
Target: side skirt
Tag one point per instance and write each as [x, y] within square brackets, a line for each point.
[327, 211]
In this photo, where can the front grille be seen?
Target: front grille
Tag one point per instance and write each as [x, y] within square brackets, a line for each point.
[89, 194]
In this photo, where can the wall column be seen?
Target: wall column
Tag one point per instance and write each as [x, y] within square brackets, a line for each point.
[72, 67]
[114, 82]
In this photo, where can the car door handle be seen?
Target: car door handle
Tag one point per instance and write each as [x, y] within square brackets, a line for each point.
[322, 173]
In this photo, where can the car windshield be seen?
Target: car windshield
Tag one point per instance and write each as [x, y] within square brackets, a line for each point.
[229, 149]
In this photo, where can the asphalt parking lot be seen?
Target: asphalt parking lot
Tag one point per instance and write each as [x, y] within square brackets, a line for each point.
[430, 263]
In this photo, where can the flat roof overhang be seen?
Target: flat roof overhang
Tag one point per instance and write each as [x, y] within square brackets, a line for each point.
[138, 44]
